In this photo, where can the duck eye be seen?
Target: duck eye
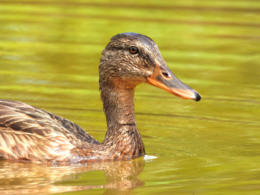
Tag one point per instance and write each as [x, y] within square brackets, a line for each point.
[133, 50]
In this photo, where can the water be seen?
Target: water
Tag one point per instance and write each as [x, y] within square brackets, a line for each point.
[49, 56]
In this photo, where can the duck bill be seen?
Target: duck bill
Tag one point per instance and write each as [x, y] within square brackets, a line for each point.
[165, 79]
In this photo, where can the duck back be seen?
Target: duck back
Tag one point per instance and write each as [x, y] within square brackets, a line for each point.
[30, 133]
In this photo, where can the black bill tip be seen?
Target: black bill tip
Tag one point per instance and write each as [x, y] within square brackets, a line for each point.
[198, 97]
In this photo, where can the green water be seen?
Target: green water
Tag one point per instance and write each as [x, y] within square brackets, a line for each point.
[49, 56]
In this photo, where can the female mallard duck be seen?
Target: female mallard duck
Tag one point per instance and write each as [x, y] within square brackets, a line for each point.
[29, 133]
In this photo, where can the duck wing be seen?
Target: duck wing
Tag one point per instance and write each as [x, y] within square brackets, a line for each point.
[30, 133]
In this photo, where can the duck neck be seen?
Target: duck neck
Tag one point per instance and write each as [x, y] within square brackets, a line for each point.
[118, 101]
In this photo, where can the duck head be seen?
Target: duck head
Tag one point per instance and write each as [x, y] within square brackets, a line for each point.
[131, 58]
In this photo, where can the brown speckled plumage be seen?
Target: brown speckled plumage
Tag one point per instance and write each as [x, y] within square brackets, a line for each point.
[29, 133]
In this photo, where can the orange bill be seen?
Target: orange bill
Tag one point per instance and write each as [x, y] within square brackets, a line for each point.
[163, 78]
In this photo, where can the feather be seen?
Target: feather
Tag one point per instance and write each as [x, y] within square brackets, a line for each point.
[29, 133]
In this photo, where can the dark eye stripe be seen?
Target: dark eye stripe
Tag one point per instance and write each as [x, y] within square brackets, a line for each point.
[133, 50]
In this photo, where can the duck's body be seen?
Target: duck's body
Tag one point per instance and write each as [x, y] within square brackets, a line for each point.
[29, 133]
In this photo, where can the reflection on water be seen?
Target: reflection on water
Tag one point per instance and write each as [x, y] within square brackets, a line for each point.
[29, 178]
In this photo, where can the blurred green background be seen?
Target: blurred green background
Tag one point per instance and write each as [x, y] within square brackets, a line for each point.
[49, 57]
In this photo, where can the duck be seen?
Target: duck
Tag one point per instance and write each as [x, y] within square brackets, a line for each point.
[31, 134]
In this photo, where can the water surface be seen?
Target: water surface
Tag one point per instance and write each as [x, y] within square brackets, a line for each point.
[49, 56]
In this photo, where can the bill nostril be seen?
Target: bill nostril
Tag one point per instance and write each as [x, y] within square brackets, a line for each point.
[166, 74]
